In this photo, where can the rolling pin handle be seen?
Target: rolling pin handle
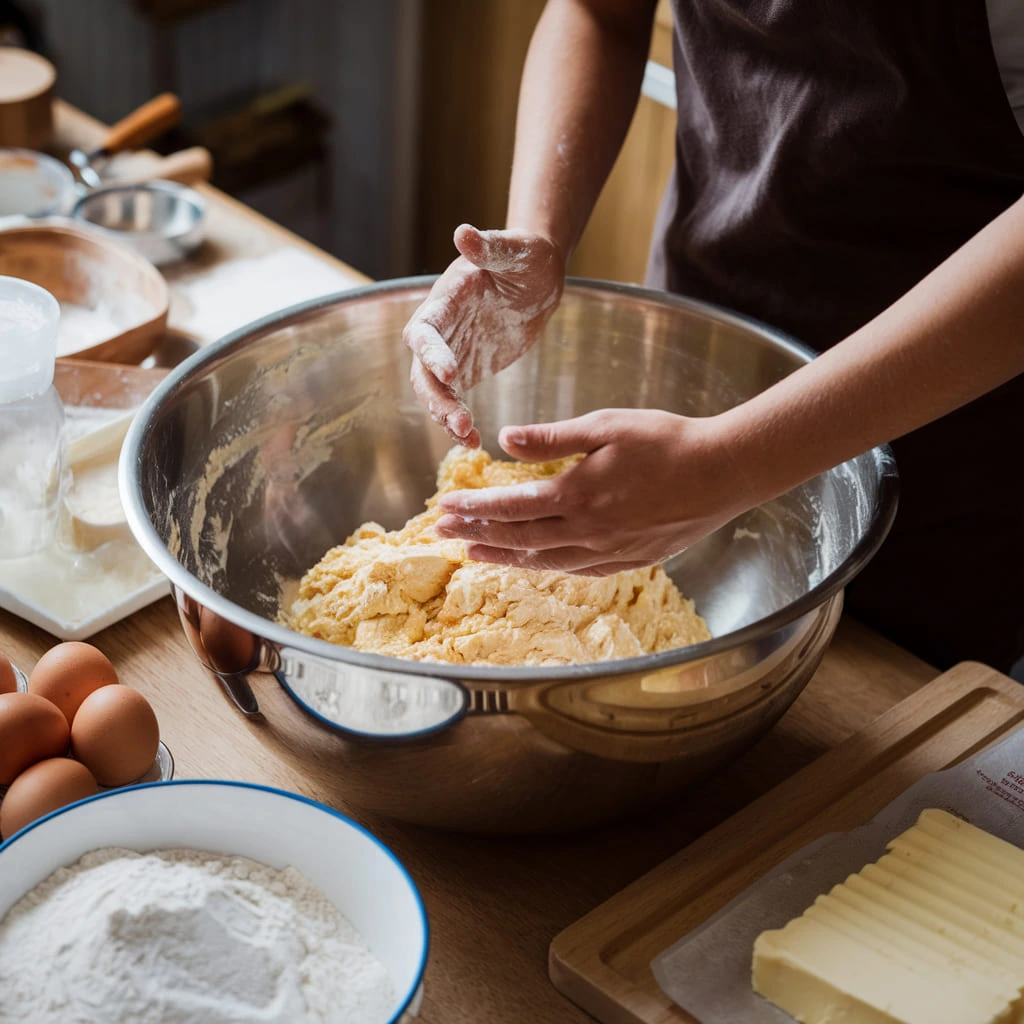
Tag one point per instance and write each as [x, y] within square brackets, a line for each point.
[150, 120]
[188, 167]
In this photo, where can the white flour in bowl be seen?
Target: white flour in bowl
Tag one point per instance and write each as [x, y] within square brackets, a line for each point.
[181, 937]
[82, 327]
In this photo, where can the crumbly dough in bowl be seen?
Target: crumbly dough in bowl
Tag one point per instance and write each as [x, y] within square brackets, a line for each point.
[410, 594]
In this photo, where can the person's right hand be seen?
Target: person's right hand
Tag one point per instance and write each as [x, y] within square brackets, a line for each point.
[481, 315]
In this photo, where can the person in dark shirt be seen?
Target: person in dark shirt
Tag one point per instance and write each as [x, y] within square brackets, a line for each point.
[850, 173]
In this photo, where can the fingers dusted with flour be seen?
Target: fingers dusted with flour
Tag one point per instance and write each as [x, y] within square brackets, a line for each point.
[444, 405]
[487, 309]
[580, 87]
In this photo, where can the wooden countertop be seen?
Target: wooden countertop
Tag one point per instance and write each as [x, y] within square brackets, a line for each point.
[494, 904]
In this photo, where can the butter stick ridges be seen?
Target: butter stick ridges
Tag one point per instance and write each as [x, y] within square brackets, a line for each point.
[932, 933]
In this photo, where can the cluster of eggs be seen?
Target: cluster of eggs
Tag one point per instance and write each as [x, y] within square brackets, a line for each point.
[76, 729]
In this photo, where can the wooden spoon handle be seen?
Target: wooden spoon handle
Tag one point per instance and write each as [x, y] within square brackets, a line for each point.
[187, 167]
[151, 119]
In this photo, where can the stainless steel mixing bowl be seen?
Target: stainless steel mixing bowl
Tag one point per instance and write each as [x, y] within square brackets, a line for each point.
[272, 445]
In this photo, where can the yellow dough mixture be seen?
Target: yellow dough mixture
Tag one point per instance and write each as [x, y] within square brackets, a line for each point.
[410, 594]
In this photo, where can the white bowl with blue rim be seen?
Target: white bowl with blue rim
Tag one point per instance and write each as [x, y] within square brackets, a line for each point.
[353, 868]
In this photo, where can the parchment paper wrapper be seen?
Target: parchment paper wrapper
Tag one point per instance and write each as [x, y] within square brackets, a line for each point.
[707, 972]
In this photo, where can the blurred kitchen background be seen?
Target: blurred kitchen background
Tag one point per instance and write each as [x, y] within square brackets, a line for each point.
[370, 128]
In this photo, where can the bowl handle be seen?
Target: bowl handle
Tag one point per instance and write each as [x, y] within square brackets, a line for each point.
[236, 686]
[227, 650]
[370, 703]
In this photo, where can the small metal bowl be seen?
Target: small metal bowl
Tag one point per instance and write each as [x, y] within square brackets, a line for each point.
[160, 220]
[33, 185]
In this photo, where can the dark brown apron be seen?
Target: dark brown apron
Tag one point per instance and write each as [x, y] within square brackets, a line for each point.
[829, 154]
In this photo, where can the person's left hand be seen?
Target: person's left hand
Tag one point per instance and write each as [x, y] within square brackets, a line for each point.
[650, 485]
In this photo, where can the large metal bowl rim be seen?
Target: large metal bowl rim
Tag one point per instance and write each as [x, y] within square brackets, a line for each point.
[200, 362]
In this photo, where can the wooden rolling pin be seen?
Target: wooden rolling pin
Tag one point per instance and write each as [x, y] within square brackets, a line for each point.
[191, 166]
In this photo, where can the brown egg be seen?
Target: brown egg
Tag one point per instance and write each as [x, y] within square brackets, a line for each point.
[31, 729]
[66, 674]
[42, 788]
[8, 680]
[115, 735]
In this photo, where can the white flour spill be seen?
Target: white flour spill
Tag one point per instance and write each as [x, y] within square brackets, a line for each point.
[82, 327]
[81, 420]
[177, 937]
[103, 309]
[743, 534]
[218, 300]
[75, 586]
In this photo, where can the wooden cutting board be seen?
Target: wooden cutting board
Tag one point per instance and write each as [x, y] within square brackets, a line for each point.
[602, 962]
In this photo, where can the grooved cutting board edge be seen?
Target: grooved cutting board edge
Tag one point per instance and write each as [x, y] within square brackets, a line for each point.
[602, 961]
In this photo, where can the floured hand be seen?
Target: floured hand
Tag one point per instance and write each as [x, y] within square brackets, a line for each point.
[651, 484]
[481, 315]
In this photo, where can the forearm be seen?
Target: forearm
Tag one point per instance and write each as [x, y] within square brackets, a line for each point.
[580, 87]
[956, 335]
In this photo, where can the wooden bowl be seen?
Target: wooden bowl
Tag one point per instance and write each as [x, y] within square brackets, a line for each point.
[113, 302]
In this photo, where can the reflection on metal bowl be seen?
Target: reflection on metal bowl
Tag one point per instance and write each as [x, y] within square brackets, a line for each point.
[267, 448]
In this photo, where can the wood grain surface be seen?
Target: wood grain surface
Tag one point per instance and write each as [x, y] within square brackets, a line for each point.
[603, 961]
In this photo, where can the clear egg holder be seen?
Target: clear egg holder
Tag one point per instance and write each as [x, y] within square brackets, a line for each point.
[162, 769]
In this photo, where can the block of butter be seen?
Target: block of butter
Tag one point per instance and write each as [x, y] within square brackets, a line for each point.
[92, 512]
[932, 933]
